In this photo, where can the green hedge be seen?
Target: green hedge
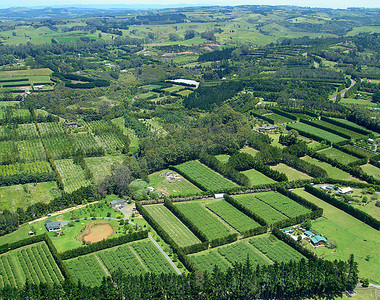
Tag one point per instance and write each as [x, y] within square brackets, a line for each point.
[347, 126]
[284, 114]
[325, 128]
[108, 243]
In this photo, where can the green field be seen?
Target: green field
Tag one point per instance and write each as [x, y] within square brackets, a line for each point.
[33, 263]
[344, 121]
[257, 178]
[136, 258]
[204, 176]
[235, 218]
[101, 167]
[332, 172]
[371, 170]
[350, 236]
[253, 204]
[249, 150]
[352, 134]
[171, 186]
[223, 158]
[278, 119]
[72, 175]
[342, 157]
[207, 222]
[15, 196]
[261, 250]
[172, 225]
[370, 208]
[291, 173]
[323, 134]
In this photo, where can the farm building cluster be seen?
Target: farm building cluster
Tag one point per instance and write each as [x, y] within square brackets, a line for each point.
[337, 189]
[315, 239]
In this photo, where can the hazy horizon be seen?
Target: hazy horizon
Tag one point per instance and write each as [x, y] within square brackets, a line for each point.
[342, 4]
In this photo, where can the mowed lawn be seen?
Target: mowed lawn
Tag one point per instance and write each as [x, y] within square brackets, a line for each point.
[100, 167]
[172, 225]
[258, 178]
[292, 174]
[350, 236]
[332, 172]
[371, 170]
[342, 157]
[169, 187]
[24, 195]
[370, 209]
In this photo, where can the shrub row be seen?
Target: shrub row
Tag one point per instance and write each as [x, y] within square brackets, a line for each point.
[340, 147]
[309, 134]
[224, 240]
[26, 178]
[284, 114]
[325, 128]
[303, 166]
[181, 255]
[361, 215]
[104, 244]
[344, 125]
[262, 117]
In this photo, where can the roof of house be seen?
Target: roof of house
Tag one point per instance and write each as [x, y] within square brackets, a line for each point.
[345, 190]
[317, 239]
[50, 225]
[117, 202]
[308, 232]
[219, 196]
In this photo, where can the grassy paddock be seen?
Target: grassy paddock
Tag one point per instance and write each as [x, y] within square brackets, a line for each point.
[292, 174]
[340, 156]
[350, 236]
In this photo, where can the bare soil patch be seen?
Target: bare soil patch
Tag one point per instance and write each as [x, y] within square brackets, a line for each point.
[97, 232]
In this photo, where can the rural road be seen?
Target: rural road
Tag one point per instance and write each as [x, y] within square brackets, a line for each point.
[164, 254]
[61, 212]
[344, 90]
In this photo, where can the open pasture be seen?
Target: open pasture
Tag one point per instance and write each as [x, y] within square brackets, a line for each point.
[258, 178]
[342, 157]
[349, 235]
[235, 218]
[207, 222]
[204, 176]
[33, 263]
[332, 172]
[269, 214]
[164, 182]
[371, 170]
[72, 175]
[291, 173]
[323, 134]
[100, 167]
[172, 225]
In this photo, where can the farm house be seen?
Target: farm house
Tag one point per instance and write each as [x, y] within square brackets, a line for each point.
[318, 240]
[52, 226]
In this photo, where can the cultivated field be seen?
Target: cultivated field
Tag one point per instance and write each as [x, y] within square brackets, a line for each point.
[352, 134]
[371, 170]
[134, 258]
[269, 214]
[323, 134]
[33, 263]
[204, 176]
[235, 218]
[207, 222]
[172, 225]
[72, 175]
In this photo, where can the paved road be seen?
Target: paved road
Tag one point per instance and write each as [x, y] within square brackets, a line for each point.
[164, 254]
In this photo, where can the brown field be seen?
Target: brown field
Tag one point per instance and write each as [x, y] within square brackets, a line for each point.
[97, 232]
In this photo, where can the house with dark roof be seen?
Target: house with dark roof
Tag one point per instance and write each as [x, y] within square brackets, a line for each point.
[52, 226]
[118, 202]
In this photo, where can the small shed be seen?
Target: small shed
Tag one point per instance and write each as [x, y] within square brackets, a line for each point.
[52, 226]
[308, 233]
[219, 196]
[118, 202]
[318, 240]
[345, 191]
